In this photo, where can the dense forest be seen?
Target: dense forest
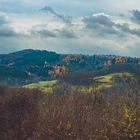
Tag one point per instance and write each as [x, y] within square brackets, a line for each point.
[29, 66]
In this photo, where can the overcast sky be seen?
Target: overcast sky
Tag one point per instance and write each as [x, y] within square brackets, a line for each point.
[71, 26]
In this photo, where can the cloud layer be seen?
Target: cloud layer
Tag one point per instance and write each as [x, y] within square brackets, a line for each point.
[97, 33]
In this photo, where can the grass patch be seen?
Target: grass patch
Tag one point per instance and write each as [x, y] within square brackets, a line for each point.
[102, 82]
[108, 78]
[43, 86]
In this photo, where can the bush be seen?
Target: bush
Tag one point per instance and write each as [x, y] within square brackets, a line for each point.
[78, 78]
[28, 115]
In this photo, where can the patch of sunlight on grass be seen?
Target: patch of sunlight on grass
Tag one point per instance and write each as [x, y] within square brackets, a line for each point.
[108, 78]
[102, 82]
[43, 86]
[91, 88]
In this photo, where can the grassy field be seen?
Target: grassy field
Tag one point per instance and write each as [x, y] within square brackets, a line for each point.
[43, 86]
[100, 82]
[108, 78]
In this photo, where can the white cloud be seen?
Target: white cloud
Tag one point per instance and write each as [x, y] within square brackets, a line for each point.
[94, 34]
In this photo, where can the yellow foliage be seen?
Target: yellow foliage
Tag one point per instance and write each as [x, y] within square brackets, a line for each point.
[69, 125]
[126, 112]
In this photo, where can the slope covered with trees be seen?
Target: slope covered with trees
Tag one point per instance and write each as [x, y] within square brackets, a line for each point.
[29, 66]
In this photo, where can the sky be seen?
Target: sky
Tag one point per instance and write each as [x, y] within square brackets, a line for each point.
[71, 26]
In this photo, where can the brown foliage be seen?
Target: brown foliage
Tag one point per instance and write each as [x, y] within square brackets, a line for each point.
[78, 78]
[58, 71]
[27, 115]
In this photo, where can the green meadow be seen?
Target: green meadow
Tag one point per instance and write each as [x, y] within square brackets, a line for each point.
[43, 86]
[99, 83]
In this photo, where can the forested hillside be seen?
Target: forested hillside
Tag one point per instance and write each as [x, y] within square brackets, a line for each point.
[29, 66]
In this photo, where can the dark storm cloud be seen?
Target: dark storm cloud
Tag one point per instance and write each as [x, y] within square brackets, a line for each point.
[103, 25]
[98, 20]
[136, 16]
[3, 19]
[67, 33]
[48, 9]
[126, 29]
[5, 30]
[59, 33]
[44, 33]
[100, 24]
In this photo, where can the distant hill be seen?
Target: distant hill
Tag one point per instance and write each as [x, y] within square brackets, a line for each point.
[29, 66]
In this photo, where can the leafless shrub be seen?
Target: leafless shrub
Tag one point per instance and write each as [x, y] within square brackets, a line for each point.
[28, 115]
